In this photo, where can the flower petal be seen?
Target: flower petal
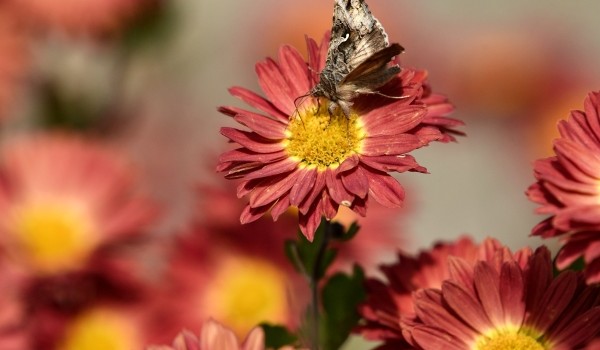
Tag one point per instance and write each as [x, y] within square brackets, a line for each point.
[251, 141]
[258, 102]
[385, 190]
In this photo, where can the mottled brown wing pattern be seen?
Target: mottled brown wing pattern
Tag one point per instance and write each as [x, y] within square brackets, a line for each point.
[357, 58]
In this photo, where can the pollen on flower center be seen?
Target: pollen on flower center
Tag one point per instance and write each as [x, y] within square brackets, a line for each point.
[316, 138]
[52, 237]
[507, 339]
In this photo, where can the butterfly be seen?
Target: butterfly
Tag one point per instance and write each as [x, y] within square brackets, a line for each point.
[358, 56]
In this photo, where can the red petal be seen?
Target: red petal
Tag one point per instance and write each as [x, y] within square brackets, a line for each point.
[262, 125]
[356, 182]
[280, 207]
[336, 189]
[252, 141]
[430, 338]
[309, 222]
[258, 102]
[487, 281]
[303, 186]
[275, 86]
[250, 214]
[466, 307]
[317, 189]
[385, 190]
[281, 167]
[394, 122]
[294, 70]
[271, 193]
[390, 145]
[245, 155]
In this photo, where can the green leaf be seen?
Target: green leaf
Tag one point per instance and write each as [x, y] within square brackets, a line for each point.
[312, 258]
[340, 298]
[350, 233]
[277, 336]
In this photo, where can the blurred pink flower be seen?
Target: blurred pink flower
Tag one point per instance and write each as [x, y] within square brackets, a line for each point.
[78, 16]
[204, 279]
[68, 211]
[62, 199]
[214, 336]
[14, 60]
[567, 189]
[301, 156]
[505, 304]
[389, 302]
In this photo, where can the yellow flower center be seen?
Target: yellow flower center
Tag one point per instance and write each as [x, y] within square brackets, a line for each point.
[53, 236]
[318, 139]
[508, 338]
[101, 330]
[245, 292]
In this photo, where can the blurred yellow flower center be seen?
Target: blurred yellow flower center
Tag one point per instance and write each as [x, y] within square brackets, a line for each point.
[53, 236]
[509, 338]
[101, 330]
[316, 138]
[245, 292]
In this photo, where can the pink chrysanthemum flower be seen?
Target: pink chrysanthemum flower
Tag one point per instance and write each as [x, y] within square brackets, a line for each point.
[388, 302]
[62, 199]
[215, 336]
[14, 60]
[567, 189]
[506, 305]
[79, 16]
[306, 158]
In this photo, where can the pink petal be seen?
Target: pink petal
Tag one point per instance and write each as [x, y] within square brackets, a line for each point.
[262, 125]
[486, 281]
[512, 293]
[295, 70]
[280, 167]
[385, 190]
[316, 192]
[396, 122]
[250, 214]
[258, 102]
[275, 86]
[356, 182]
[245, 155]
[280, 207]
[430, 338]
[309, 222]
[255, 340]
[429, 309]
[263, 195]
[554, 301]
[252, 141]
[390, 145]
[398, 163]
[336, 189]
[302, 187]
[466, 307]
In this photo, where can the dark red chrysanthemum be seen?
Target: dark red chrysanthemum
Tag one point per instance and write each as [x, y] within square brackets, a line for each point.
[466, 297]
[389, 302]
[302, 156]
[506, 305]
[568, 189]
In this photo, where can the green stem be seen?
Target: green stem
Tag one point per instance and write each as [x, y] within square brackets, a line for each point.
[314, 281]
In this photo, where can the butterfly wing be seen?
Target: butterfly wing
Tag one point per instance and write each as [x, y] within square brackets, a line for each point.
[375, 64]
